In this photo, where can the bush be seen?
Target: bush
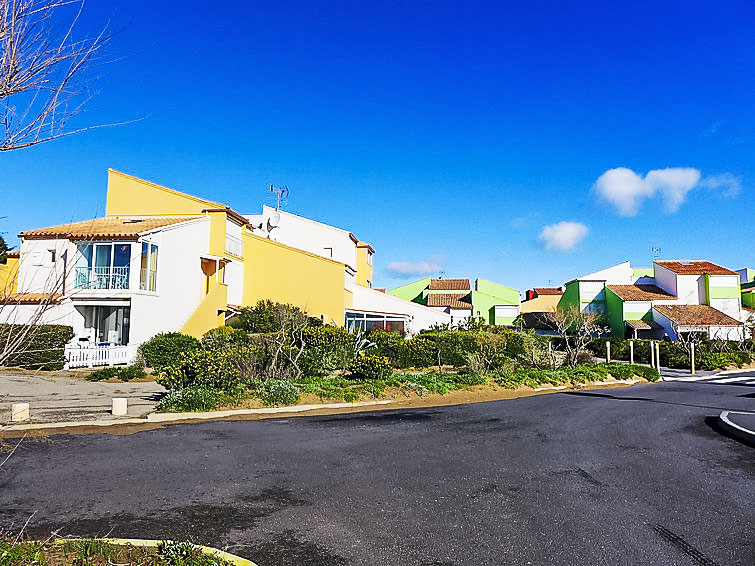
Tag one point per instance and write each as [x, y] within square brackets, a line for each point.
[194, 398]
[124, 373]
[220, 369]
[42, 346]
[722, 360]
[418, 352]
[266, 316]
[280, 392]
[223, 337]
[368, 366]
[435, 382]
[166, 349]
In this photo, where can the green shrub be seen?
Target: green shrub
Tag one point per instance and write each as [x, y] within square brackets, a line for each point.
[435, 381]
[266, 317]
[367, 366]
[388, 344]
[220, 369]
[722, 360]
[280, 392]
[166, 349]
[40, 346]
[124, 373]
[223, 337]
[418, 352]
[190, 399]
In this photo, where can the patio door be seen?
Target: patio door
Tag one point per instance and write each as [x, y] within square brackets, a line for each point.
[107, 325]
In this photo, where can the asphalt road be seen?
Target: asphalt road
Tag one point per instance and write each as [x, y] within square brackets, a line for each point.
[621, 476]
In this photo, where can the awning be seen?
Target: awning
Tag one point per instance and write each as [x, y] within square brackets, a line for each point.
[642, 325]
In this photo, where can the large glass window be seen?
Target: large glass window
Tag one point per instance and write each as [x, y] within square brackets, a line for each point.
[103, 266]
[374, 321]
[148, 279]
[107, 325]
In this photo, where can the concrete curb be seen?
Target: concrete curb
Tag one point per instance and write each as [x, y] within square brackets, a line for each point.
[168, 417]
[739, 432]
[150, 543]
[156, 418]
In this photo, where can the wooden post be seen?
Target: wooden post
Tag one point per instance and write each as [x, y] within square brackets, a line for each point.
[631, 351]
[692, 358]
[608, 352]
[652, 354]
[658, 356]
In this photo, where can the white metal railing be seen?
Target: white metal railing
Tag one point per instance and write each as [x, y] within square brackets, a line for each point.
[234, 246]
[90, 356]
[102, 277]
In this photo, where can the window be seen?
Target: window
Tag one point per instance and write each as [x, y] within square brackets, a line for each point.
[107, 325]
[328, 252]
[51, 255]
[369, 284]
[148, 276]
[103, 266]
[369, 257]
[369, 321]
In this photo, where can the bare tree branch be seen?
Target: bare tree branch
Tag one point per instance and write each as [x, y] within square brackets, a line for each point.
[45, 70]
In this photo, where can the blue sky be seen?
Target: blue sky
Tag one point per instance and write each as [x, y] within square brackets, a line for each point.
[474, 138]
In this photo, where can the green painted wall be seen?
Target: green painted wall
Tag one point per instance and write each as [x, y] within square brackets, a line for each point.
[507, 295]
[615, 313]
[643, 272]
[748, 300]
[412, 291]
[484, 306]
[570, 296]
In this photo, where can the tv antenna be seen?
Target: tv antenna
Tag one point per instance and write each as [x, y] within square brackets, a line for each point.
[441, 273]
[281, 195]
[655, 254]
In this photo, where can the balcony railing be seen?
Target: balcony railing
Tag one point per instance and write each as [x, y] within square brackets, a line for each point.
[234, 246]
[102, 277]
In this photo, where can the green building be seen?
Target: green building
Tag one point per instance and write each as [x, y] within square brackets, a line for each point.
[494, 303]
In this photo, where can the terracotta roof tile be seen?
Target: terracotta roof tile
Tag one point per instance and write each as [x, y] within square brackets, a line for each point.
[31, 298]
[695, 268]
[642, 324]
[641, 292]
[450, 285]
[111, 227]
[452, 300]
[696, 315]
[548, 291]
[13, 255]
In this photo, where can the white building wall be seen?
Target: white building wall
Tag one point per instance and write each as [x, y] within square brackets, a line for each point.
[234, 278]
[179, 281]
[27, 314]
[590, 291]
[665, 278]
[690, 289]
[420, 316]
[37, 273]
[620, 274]
[308, 235]
[666, 323]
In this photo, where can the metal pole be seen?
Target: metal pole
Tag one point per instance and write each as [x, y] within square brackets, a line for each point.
[608, 352]
[631, 351]
[692, 358]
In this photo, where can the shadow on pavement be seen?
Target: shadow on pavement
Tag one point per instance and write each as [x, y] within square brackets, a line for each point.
[646, 399]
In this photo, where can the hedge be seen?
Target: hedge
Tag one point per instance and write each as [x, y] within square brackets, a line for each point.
[43, 347]
[166, 349]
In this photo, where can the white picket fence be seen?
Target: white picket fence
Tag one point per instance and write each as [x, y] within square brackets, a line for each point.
[90, 356]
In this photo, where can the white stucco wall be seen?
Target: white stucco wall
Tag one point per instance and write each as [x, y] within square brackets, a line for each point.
[179, 281]
[620, 274]
[234, 278]
[309, 235]
[36, 273]
[665, 278]
[420, 316]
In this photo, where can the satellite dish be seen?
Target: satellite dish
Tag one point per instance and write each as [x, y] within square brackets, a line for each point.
[274, 221]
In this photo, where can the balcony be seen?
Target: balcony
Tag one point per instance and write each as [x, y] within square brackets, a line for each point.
[234, 246]
[102, 278]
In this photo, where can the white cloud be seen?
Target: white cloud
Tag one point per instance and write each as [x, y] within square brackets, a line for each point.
[731, 184]
[627, 190]
[563, 236]
[403, 269]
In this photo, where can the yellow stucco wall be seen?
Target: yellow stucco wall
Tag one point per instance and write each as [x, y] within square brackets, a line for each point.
[206, 316]
[9, 277]
[287, 275]
[131, 196]
[364, 269]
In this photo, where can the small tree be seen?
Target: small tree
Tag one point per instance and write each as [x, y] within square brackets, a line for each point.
[45, 66]
[4, 249]
[576, 328]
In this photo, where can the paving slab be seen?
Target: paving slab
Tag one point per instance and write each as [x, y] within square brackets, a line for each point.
[55, 398]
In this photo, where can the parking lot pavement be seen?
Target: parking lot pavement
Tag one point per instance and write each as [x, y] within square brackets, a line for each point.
[55, 398]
